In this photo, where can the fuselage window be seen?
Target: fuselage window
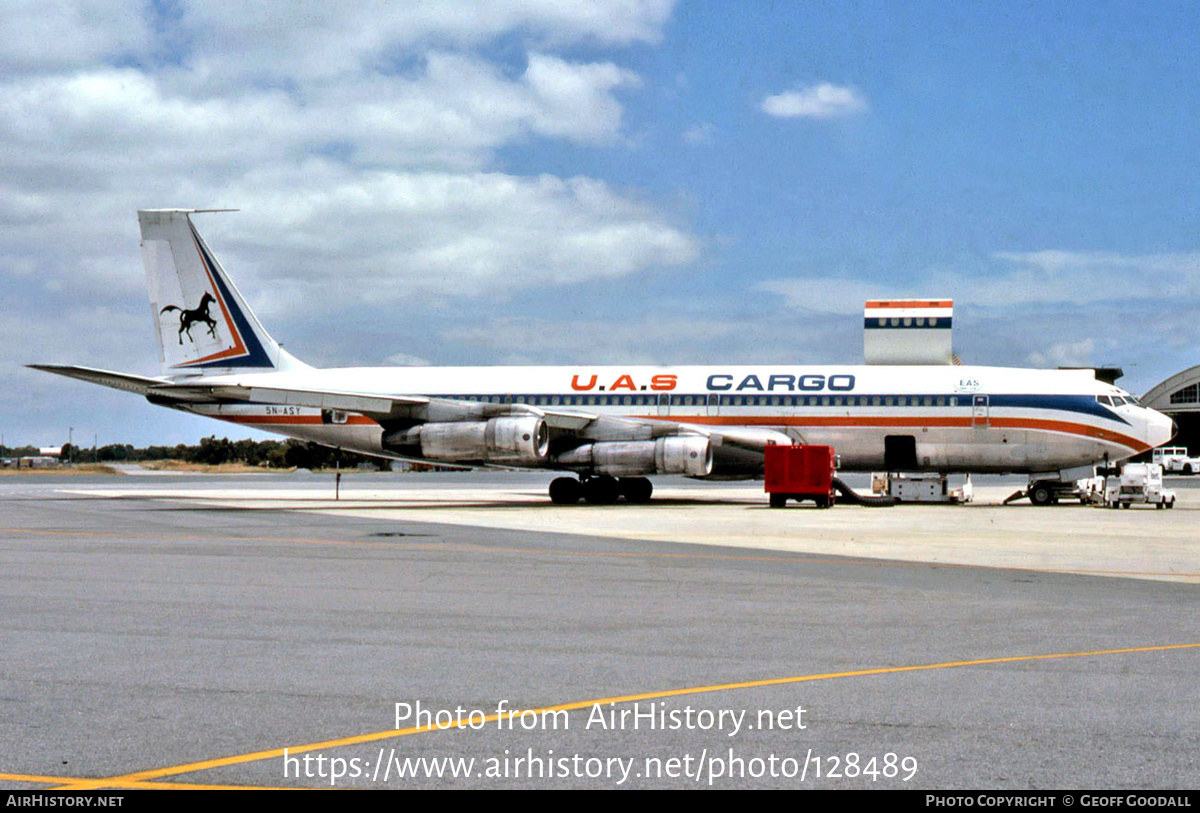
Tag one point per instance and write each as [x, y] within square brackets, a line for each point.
[941, 401]
[902, 401]
[875, 401]
[889, 401]
[928, 400]
[953, 400]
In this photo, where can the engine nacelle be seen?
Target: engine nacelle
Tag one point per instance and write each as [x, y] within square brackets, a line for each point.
[519, 441]
[689, 455]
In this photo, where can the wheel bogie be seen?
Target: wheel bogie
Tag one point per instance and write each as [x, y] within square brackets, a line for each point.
[600, 490]
[636, 489]
[565, 491]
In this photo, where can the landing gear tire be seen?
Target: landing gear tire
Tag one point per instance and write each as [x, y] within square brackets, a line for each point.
[603, 490]
[636, 489]
[565, 491]
[1041, 494]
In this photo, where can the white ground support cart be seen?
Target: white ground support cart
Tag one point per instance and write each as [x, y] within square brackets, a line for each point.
[1138, 483]
[926, 487]
[1175, 460]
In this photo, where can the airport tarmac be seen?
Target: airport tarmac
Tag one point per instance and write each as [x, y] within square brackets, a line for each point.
[184, 630]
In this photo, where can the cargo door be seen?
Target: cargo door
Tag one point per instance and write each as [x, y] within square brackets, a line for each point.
[980, 418]
[900, 453]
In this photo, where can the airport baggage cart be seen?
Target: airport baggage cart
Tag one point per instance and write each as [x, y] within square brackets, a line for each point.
[803, 472]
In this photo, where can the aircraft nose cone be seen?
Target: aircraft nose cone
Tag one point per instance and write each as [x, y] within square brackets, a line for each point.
[1161, 429]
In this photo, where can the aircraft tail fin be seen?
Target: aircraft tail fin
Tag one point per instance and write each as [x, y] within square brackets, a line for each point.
[202, 323]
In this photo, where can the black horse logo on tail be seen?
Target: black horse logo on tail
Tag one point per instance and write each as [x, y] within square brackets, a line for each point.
[187, 318]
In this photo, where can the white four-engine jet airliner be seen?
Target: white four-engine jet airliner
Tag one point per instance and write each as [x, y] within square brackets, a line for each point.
[613, 426]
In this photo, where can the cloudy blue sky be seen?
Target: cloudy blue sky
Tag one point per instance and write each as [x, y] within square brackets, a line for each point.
[538, 181]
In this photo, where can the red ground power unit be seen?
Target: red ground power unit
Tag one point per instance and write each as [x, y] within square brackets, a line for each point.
[799, 473]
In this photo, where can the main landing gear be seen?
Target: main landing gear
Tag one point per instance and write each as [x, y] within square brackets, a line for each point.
[600, 490]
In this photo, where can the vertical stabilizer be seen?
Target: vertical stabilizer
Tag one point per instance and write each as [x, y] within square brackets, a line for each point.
[203, 324]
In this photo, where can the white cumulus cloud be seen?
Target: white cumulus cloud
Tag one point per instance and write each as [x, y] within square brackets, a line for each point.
[823, 101]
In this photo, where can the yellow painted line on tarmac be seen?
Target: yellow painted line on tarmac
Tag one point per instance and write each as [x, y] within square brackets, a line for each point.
[135, 779]
[72, 783]
[24, 777]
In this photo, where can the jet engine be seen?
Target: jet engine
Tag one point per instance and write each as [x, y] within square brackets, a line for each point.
[520, 440]
[689, 455]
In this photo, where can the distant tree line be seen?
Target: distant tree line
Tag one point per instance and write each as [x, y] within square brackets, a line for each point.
[276, 454]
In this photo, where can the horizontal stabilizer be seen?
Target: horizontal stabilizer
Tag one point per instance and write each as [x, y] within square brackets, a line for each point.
[118, 381]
